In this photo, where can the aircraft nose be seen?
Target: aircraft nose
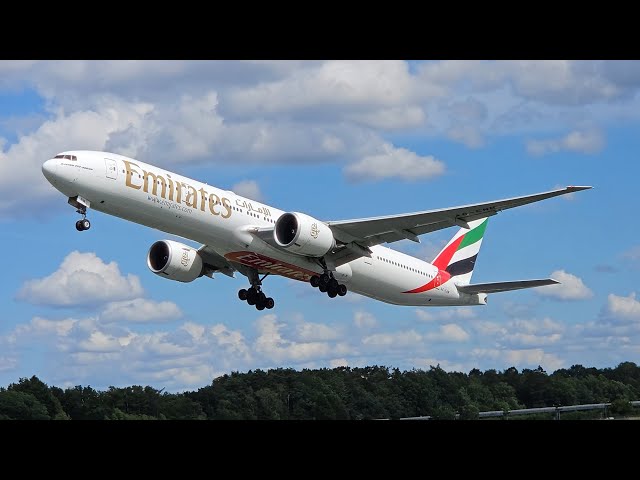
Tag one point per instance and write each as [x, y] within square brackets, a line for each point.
[49, 169]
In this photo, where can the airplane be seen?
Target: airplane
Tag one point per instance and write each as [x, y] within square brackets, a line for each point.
[238, 234]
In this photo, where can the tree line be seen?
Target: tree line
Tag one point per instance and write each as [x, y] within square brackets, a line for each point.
[341, 393]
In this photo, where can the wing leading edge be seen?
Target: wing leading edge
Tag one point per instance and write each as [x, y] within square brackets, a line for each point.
[504, 286]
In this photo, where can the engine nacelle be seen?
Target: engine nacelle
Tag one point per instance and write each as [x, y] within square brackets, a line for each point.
[304, 235]
[175, 261]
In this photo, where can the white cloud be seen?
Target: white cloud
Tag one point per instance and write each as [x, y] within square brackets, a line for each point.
[525, 358]
[81, 279]
[624, 308]
[448, 333]
[350, 85]
[81, 129]
[141, 310]
[7, 363]
[338, 362]
[570, 287]
[249, 189]
[588, 141]
[392, 118]
[39, 326]
[394, 339]
[522, 332]
[394, 162]
[272, 345]
[427, 315]
[468, 135]
[236, 112]
[446, 365]
[362, 319]
[86, 350]
[315, 332]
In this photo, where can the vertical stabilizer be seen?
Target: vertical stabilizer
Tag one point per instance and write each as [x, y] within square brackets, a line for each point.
[458, 257]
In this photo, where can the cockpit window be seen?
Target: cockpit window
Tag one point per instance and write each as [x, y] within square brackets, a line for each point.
[67, 157]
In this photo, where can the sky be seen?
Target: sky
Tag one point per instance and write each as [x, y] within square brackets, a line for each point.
[336, 140]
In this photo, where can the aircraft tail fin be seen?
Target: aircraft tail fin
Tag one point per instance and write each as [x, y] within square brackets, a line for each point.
[458, 257]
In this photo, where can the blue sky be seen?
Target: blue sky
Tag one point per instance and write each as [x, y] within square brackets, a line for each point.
[336, 140]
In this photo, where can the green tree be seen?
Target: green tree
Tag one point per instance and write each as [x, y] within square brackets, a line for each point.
[43, 394]
[16, 405]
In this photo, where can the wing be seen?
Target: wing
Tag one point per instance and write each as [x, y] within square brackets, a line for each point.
[354, 237]
[504, 286]
[367, 232]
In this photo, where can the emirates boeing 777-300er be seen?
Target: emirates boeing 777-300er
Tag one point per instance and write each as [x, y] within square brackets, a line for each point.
[241, 235]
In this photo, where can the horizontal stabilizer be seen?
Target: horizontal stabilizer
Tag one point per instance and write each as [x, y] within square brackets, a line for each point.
[504, 286]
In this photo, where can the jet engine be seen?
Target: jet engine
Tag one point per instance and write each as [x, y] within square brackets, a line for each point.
[303, 235]
[175, 261]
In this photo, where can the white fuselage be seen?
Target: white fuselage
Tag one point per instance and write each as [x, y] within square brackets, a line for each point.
[158, 198]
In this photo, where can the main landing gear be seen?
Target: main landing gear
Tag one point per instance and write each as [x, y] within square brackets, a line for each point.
[254, 295]
[84, 224]
[327, 283]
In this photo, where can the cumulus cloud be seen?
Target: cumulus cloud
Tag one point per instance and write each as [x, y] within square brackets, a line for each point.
[82, 129]
[523, 358]
[362, 319]
[272, 344]
[624, 309]
[448, 333]
[394, 162]
[249, 189]
[81, 279]
[570, 287]
[315, 332]
[338, 362]
[141, 310]
[587, 141]
[468, 135]
[86, 350]
[426, 315]
[7, 363]
[291, 112]
[42, 326]
[394, 339]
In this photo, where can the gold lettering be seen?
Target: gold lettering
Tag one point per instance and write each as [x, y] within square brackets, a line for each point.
[179, 192]
[203, 198]
[227, 205]
[170, 187]
[129, 174]
[213, 203]
[154, 178]
[192, 198]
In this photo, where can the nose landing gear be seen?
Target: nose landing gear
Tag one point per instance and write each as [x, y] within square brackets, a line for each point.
[84, 224]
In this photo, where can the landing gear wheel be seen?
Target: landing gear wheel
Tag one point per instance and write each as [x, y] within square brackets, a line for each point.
[332, 292]
[333, 284]
[86, 224]
[325, 279]
[342, 290]
[79, 225]
[269, 303]
[252, 296]
[242, 294]
[322, 287]
[260, 305]
[315, 281]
